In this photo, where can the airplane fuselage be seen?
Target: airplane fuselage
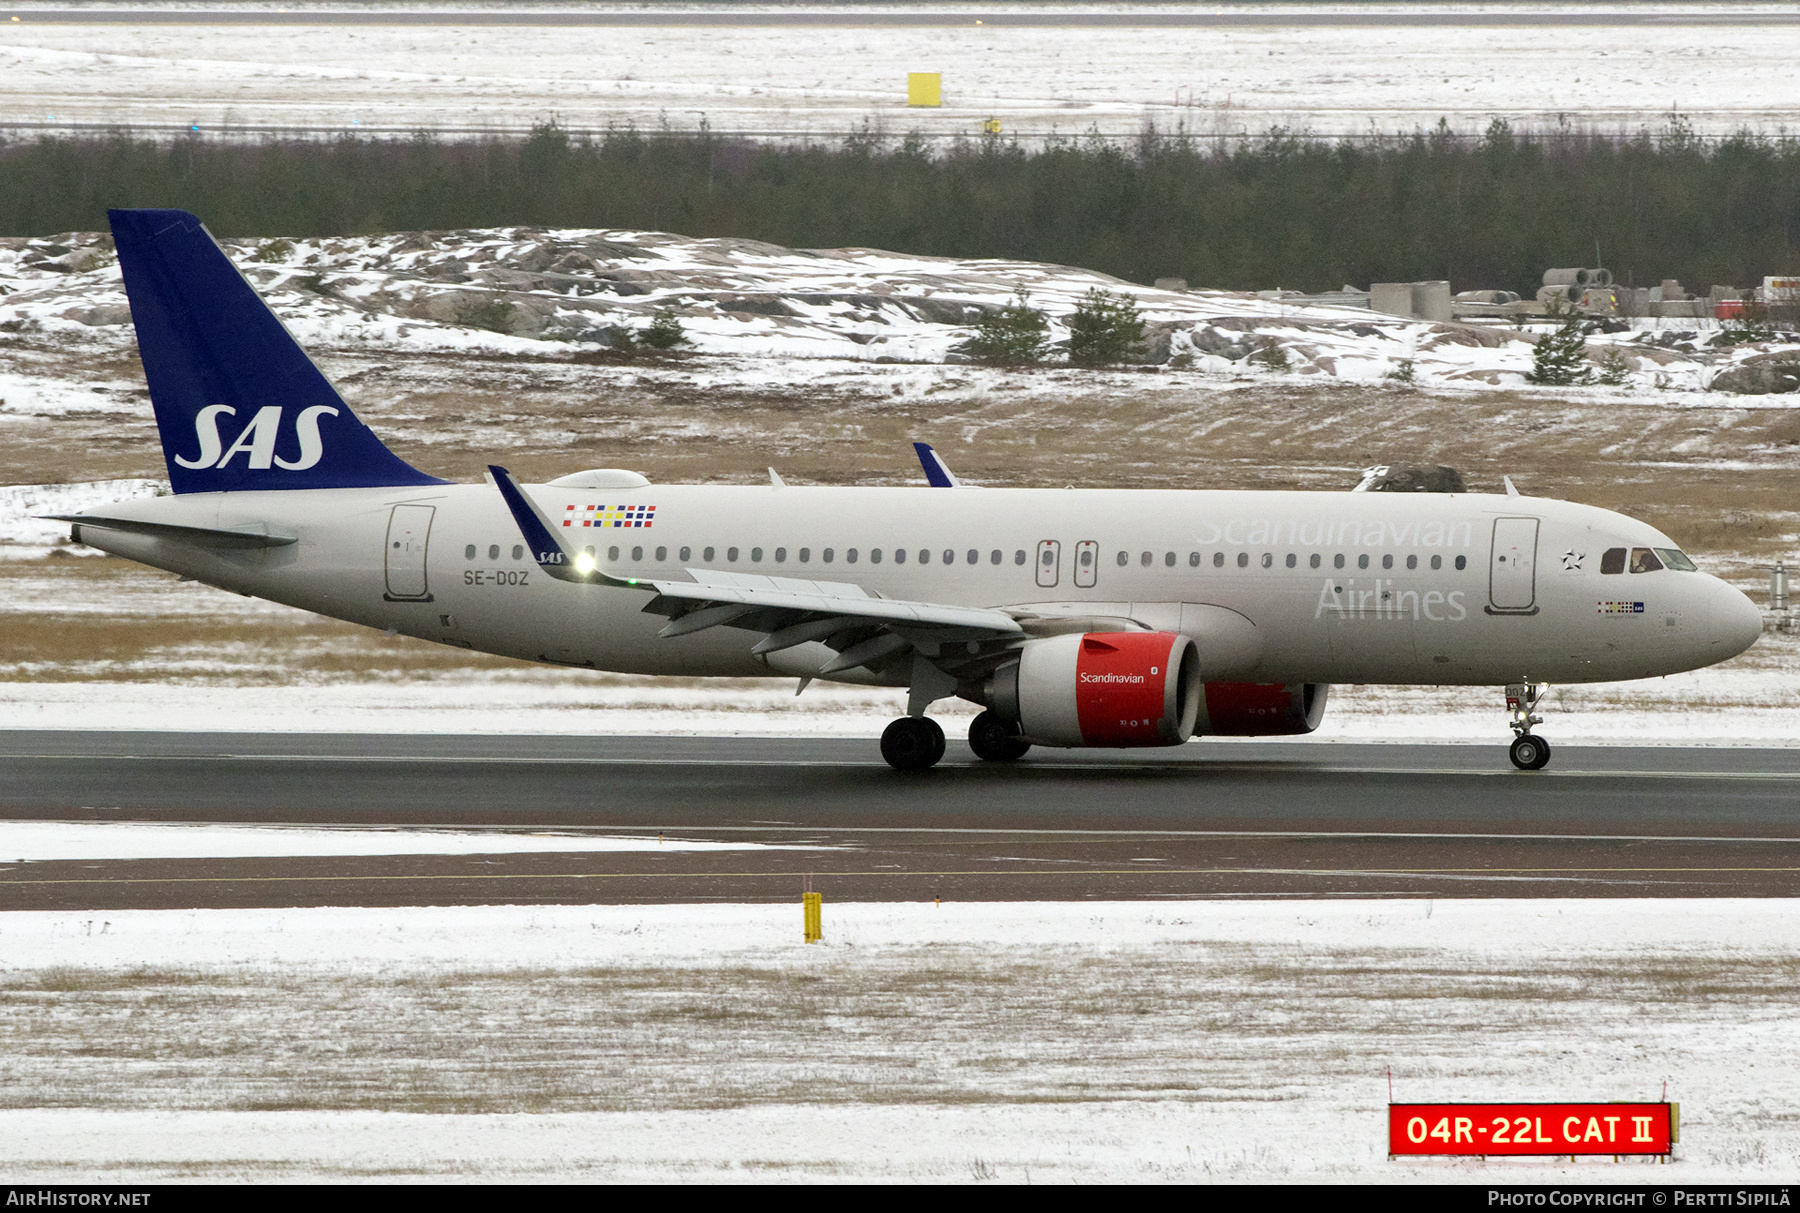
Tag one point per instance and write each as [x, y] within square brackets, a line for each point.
[1297, 587]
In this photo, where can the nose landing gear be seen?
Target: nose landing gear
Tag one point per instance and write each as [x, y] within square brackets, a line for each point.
[1528, 752]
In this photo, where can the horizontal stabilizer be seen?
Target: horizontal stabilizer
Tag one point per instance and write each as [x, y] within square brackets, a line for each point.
[206, 537]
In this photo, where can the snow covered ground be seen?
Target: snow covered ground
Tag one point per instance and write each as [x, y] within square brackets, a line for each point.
[556, 293]
[1096, 1042]
[1726, 72]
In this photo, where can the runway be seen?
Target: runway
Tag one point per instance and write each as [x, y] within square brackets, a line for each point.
[1211, 819]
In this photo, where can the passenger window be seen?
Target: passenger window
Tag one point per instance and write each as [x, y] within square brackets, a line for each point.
[925, 557]
[805, 555]
[1218, 560]
[949, 556]
[850, 556]
[1169, 559]
[826, 555]
[685, 555]
[1462, 562]
[1437, 562]
[1412, 562]
[1676, 560]
[1124, 559]
[1193, 560]
[1643, 560]
[731, 554]
[1337, 561]
[707, 555]
[469, 552]
[1313, 562]
[1086, 558]
[518, 551]
[493, 551]
[972, 556]
[612, 553]
[899, 555]
[1019, 556]
[1243, 560]
[1387, 562]
[662, 553]
[589, 549]
[1268, 560]
[780, 555]
[1292, 560]
[994, 556]
[874, 555]
[1144, 558]
[1362, 561]
[1613, 561]
[637, 553]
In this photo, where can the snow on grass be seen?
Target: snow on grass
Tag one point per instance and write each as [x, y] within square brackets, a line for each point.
[1722, 73]
[1098, 1041]
[40, 841]
[24, 531]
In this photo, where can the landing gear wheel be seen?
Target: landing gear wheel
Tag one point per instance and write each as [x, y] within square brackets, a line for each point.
[993, 740]
[1530, 752]
[912, 743]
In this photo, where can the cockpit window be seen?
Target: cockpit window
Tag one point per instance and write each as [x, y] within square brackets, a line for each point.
[1643, 560]
[1676, 560]
[1613, 561]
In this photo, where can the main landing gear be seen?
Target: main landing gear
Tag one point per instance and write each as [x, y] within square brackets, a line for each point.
[916, 743]
[912, 743]
[993, 740]
[1529, 752]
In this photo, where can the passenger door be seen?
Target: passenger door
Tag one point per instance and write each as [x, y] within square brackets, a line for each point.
[408, 534]
[1512, 567]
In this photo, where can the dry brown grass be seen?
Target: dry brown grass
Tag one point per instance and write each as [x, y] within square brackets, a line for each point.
[944, 1024]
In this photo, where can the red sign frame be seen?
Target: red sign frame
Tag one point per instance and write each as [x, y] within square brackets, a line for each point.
[1533, 1128]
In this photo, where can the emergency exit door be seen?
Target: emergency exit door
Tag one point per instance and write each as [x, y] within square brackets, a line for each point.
[1049, 562]
[408, 534]
[1512, 567]
[1087, 563]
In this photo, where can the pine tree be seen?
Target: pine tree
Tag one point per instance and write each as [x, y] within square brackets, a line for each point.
[1014, 334]
[1560, 357]
[1103, 328]
[665, 331]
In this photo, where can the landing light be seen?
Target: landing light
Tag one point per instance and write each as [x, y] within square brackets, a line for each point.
[584, 563]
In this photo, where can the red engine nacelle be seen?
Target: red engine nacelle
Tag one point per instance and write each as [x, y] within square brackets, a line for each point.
[1102, 689]
[1258, 709]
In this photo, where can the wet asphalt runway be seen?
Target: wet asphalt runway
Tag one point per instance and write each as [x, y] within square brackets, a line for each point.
[1212, 819]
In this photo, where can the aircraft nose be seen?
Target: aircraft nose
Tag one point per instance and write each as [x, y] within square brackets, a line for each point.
[1736, 621]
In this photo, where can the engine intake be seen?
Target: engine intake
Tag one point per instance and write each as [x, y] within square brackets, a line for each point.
[1102, 689]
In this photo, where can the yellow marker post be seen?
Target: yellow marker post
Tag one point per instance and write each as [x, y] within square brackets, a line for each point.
[814, 930]
[924, 88]
[991, 126]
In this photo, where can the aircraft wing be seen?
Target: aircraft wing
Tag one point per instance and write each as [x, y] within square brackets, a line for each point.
[864, 629]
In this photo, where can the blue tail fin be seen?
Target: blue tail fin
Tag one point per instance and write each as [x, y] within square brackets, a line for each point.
[239, 404]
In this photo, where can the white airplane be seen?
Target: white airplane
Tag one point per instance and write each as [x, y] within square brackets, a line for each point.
[1075, 617]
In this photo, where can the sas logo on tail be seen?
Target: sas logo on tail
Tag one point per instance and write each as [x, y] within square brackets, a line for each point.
[256, 441]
